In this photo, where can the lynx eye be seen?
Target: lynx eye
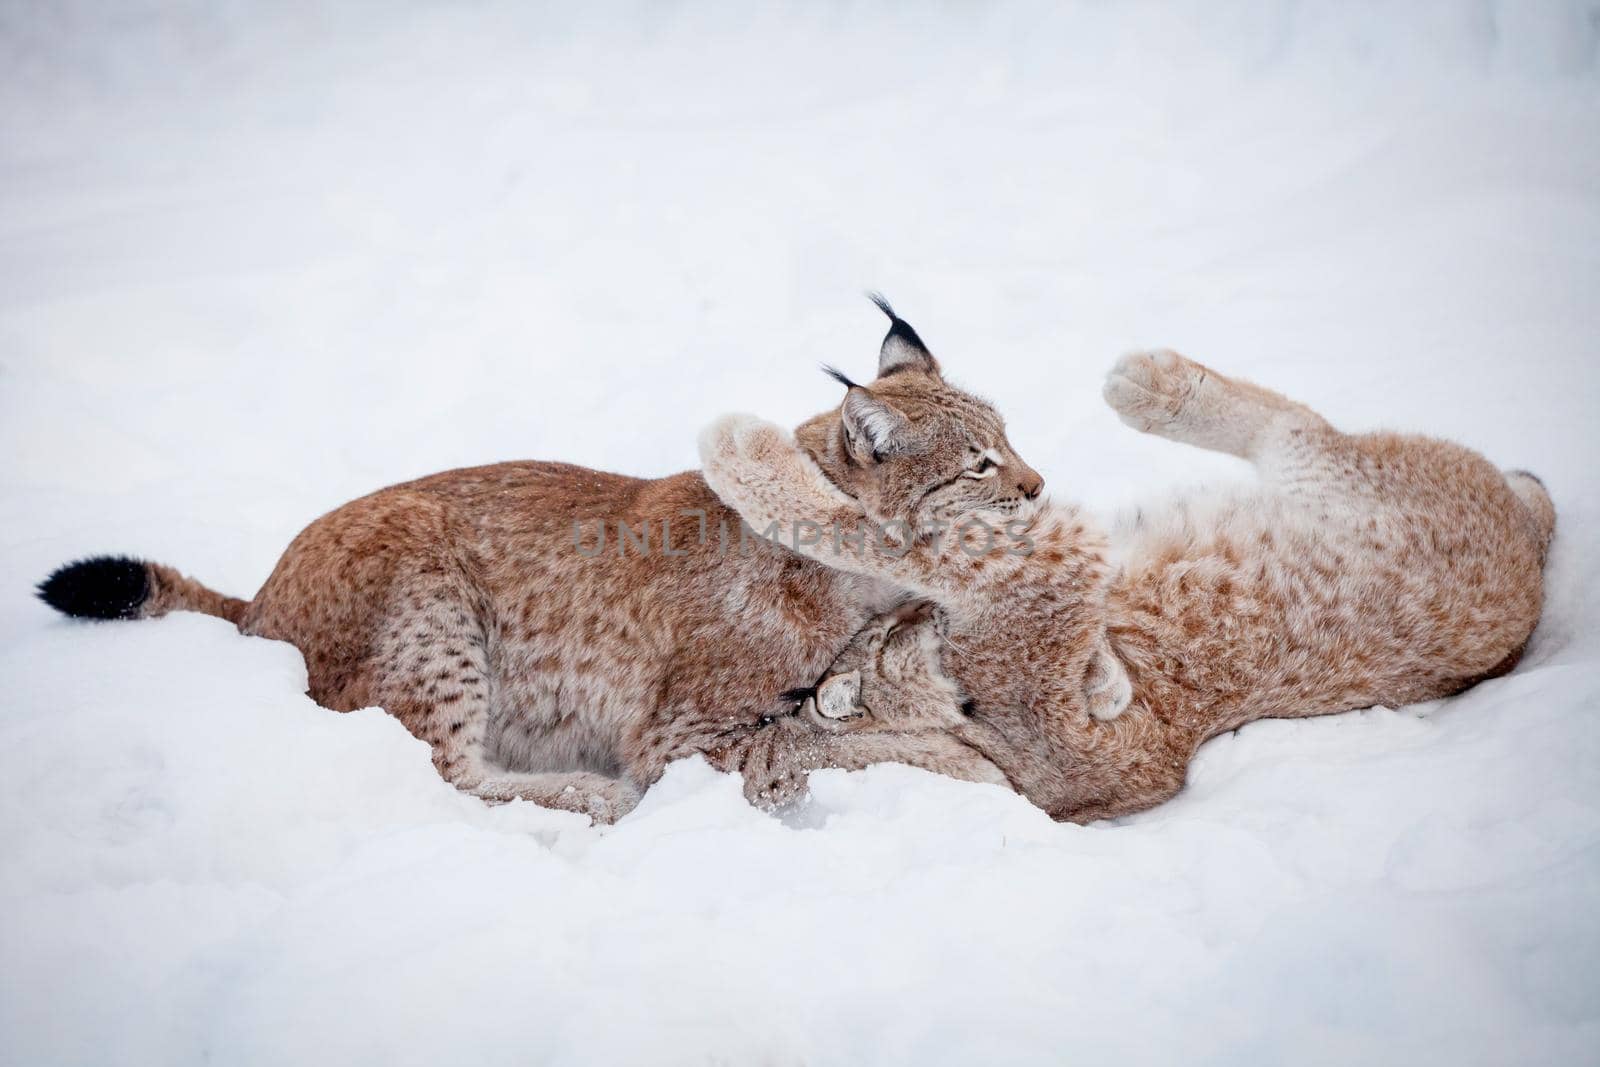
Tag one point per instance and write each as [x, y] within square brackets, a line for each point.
[987, 464]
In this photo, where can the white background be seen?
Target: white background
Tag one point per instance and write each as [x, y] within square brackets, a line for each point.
[254, 263]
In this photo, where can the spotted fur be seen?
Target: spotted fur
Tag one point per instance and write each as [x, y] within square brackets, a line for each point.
[1367, 569]
[461, 604]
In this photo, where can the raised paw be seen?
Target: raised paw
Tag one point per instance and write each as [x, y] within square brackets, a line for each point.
[756, 468]
[1150, 390]
[742, 438]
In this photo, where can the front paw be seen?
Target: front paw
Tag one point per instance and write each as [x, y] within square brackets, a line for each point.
[734, 439]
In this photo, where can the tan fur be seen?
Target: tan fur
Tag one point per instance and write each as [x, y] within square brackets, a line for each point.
[171, 591]
[1368, 569]
[461, 604]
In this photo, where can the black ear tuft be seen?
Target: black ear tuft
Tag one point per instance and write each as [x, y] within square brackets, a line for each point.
[105, 587]
[839, 376]
[798, 695]
[902, 349]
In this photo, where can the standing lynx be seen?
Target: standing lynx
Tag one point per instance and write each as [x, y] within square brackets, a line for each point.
[474, 606]
[1368, 569]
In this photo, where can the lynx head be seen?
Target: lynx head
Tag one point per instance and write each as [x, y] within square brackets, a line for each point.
[912, 447]
[888, 678]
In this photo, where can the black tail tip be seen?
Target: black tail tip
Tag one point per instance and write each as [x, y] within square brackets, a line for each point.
[105, 587]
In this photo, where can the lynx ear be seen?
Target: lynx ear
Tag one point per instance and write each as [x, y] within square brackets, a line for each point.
[872, 428]
[837, 696]
[902, 348]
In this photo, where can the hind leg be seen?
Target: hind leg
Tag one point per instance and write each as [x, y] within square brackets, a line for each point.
[1429, 552]
[453, 716]
[602, 798]
[1163, 393]
[386, 614]
[430, 669]
[1294, 449]
[1436, 483]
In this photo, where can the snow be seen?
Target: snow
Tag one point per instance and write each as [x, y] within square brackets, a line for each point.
[254, 263]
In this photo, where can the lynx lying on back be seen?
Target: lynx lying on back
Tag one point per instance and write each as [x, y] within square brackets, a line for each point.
[1368, 569]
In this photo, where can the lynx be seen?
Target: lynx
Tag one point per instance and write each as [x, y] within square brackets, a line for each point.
[474, 607]
[1367, 569]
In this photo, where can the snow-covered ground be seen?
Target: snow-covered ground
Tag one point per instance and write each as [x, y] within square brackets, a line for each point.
[255, 263]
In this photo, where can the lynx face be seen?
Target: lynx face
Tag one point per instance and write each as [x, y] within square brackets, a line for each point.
[889, 679]
[911, 447]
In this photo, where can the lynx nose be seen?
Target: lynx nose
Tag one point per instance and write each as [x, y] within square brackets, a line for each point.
[1030, 482]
